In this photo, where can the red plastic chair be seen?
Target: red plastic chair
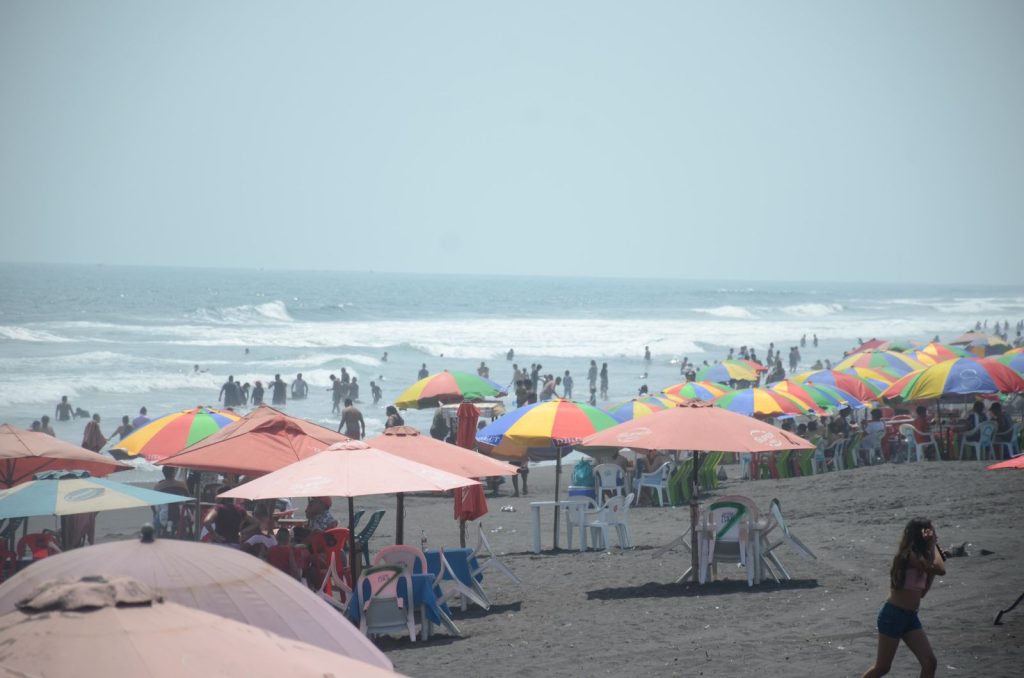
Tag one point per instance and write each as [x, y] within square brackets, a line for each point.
[322, 545]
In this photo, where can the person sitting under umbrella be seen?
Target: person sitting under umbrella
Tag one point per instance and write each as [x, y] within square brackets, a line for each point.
[226, 520]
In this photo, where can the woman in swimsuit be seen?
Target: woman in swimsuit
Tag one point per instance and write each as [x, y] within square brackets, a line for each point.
[914, 568]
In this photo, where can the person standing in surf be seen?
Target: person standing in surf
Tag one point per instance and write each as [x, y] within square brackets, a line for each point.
[918, 560]
[280, 391]
[604, 381]
[64, 411]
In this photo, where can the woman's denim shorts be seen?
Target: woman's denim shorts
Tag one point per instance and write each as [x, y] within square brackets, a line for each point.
[896, 622]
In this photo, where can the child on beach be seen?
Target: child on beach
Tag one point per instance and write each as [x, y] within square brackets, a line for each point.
[913, 569]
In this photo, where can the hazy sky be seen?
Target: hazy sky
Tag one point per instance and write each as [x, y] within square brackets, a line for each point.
[879, 140]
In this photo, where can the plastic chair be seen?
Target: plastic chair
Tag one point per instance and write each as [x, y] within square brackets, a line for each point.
[1011, 446]
[467, 592]
[871, 447]
[730, 520]
[658, 480]
[383, 611]
[327, 553]
[38, 545]
[609, 478]
[787, 538]
[403, 555]
[588, 515]
[986, 431]
[837, 449]
[910, 435]
[818, 458]
[616, 514]
[483, 548]
[363, 538]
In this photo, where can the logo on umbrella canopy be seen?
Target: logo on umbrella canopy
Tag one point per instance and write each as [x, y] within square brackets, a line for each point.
[970, 380]
[765, 438]
[311, 483]
[84, 494]
[633, 435]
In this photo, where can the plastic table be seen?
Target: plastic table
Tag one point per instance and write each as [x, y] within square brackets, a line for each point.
[579, 505]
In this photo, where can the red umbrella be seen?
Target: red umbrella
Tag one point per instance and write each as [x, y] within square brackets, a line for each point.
[24, 453]
[260, 442]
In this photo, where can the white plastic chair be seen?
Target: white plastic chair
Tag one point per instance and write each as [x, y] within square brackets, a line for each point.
[788, 538]
[590, 514]
[910, 433]
[730, 522]
[609, 478]
[473, 592]
[1011, 446]
[402, 555]
[616, 514]
[986, 431]
[384, 611]
[658, 480]
[487, 558]
[838, 449]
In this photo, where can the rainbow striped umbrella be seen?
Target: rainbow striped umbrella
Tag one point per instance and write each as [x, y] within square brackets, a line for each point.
[817, 397]
[729, 370]
[955, 378]
[173, 432]
[640, 407]
[1015, 351]
[892, 362]
[934, 353]
[1015, 361]
[448, 387]
[696, 390]
[553, 423]
[854, 384]
[751, 401]
[981, 344]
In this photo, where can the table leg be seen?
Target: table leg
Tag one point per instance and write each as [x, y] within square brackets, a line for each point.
[425, 623]
[536, 528]
[581, 514]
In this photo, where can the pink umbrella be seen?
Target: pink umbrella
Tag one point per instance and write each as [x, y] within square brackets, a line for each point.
[24, 453]
[350, 469]
[260, 442]
[214, 579]
[119, 627]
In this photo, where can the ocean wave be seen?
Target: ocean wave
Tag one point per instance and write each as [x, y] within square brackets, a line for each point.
[977, 305]
[271, 311]
[21, 333]
[737, 312]
[812, 310]
[32, 389]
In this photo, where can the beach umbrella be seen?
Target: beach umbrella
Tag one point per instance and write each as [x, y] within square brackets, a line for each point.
[981, 344]
[760, 401]
[212, 578]
[24, 453]
[640, 407]
[1015, 361]
[174, 432]
[934, 352]
[699, 427]
[556, 424]
[857, 386]
[954, 379]
[448, 387]
[729, 370]
[1015, 351]
[408, 443]
[260, 442]
[817, 397]
[118, 626]
[1013, 462]
[69, 496]
[696, 390]
[892, 362]
[350, 469]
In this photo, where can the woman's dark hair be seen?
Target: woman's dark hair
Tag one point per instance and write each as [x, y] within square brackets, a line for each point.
[391, 409]
[912, 541]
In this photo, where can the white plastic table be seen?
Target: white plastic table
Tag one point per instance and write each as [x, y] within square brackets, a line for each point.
[579, 505]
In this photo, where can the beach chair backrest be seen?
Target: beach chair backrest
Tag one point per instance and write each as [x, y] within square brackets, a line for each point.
[382, 581]
[402, 555]
[609, 476]
[371, 526]
[730, 516]
[907, 431]
[788, 537]
[987, 432]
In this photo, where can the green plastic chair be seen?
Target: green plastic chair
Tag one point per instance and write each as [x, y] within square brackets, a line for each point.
[363, 538]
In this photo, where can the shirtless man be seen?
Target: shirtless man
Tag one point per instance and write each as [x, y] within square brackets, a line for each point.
[352, 421]
[64, 411]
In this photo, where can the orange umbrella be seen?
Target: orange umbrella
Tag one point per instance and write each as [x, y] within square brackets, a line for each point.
[1013, 462]
[350, 469]
[24, 453]
[260, 442]
[210, 578]
[119, 627]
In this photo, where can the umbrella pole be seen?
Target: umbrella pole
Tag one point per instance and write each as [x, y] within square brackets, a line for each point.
[462, 532]
[558, 482]
[400, 518]
[694, 516]
[353, 555]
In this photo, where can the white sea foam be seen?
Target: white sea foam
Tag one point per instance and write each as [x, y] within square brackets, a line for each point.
[22, 333]
[272, 311]
[737, 312]
[812, 310]
[26, 388]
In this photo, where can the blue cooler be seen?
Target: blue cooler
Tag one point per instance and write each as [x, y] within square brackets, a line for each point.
[582, 491]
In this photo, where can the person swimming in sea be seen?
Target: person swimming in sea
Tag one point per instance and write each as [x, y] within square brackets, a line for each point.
[64, 410]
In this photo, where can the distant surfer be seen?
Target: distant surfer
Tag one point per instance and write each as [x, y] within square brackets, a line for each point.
[300, 389]
[64, 411]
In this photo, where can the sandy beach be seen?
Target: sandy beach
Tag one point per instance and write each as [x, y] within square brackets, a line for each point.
[606, 613]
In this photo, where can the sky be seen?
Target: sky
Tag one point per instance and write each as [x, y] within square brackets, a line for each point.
[729, 140]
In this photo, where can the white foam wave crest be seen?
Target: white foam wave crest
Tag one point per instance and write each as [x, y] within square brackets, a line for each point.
[21, 333]
[812, 310]
[982, 305]
[737, 312]
[273, 311]
[32, 389]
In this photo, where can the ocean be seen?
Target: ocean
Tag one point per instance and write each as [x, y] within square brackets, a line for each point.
[115, 338]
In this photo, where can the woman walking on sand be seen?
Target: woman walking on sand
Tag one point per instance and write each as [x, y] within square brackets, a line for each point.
[913, 569]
